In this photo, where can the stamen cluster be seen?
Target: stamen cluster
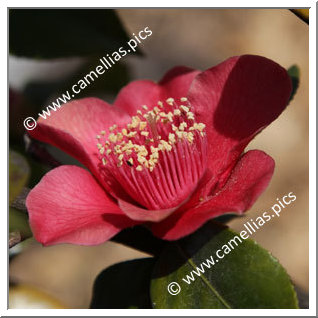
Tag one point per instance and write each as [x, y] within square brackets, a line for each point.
[150, 133]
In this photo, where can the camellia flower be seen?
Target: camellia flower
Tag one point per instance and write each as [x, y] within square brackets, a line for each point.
[168, 155]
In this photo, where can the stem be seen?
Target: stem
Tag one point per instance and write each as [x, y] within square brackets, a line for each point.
[19, 202]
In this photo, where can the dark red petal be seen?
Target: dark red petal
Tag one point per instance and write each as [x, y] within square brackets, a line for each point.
[248, 180]
[177, 81]
[73, 129]
[69, 206]
[175, 84]
[237, 99]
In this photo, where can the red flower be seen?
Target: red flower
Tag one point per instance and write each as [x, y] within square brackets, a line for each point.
[173, 166]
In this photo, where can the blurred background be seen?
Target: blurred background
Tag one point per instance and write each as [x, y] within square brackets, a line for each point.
[62, 276]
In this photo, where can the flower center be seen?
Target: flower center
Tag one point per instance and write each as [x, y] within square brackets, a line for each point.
[159, 157]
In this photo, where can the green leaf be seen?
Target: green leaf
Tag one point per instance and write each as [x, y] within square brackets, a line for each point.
[247, 277]
[19, 172]
[294, 74]
[19, 222]
[124, 285]
[55, 33]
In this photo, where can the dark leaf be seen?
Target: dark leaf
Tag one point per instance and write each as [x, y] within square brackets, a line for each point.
[294, 74]
[124, 285]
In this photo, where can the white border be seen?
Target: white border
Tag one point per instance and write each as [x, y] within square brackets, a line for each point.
[312, 161]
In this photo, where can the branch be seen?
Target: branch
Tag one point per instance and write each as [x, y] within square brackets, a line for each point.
[14, 238]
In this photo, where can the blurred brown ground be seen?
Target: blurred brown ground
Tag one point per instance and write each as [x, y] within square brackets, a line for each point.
[200, 39]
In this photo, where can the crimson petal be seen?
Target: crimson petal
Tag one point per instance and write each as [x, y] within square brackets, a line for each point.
[69, 206]
[237, 99]
[248, 180]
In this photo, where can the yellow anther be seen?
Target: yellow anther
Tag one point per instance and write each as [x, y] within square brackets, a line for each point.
[170, 101]
[190, 116]
[182, 126]
[142, 125]
[184, 108]
[172, 138]
[177, 112]
[112, 138]
[156, 110]
[139, 168]
[112, 128]
[145, 133]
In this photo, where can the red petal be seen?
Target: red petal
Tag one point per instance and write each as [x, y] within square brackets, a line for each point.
[73, 128]
[140, 214]
[248, 180]
[175, 83]
[237, 99]
[136, 94]
[69, 206]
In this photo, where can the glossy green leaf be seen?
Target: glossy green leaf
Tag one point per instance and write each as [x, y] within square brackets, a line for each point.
[55, 33]
[294, 74]
[247, 277]
[124, 285]
[19, 172]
